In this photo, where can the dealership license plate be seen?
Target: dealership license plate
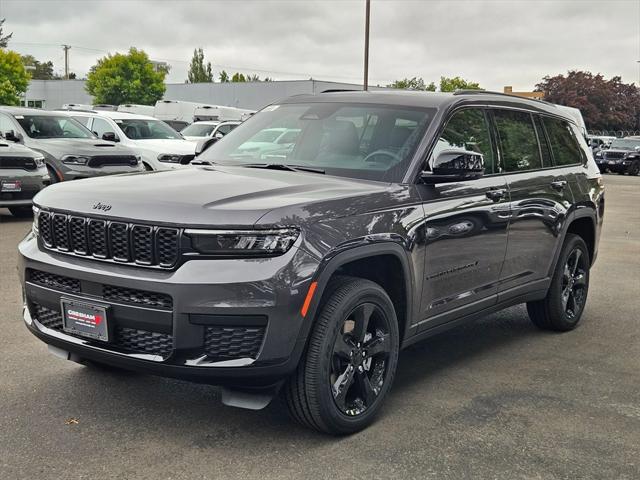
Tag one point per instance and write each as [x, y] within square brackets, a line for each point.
[85, 319]
[11, 186]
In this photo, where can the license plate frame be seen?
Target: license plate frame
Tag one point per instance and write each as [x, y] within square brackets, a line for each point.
[85, 319]
[10, 186]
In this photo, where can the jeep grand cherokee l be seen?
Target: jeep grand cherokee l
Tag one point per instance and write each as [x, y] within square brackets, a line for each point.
[394, 216]
[22, 175]
[622, 156]
[70, 150]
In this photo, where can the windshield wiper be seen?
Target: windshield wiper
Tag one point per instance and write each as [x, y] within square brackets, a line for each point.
[283, 166]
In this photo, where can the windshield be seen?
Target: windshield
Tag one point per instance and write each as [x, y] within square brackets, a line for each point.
[625, 143]
[142, 129]
[198, 130]
[374, 142]
[50, 126]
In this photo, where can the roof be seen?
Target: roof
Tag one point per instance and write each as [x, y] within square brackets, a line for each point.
[111, 114]
[26, 111]
[410, 98]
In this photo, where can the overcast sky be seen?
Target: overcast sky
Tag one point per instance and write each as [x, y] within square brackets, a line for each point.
[495, 43]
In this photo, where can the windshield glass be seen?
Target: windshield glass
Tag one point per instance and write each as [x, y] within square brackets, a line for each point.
[198, 130]
[373, 142]
[50, 126]
[625, 143]
[143, 129]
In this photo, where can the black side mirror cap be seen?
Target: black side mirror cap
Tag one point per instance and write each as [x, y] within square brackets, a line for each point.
[205, 143]
[12, 136]
[110, 137]
[455, 165]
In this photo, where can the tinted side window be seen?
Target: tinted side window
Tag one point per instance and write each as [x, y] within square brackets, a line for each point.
[518, 142]
[468, 129]
[564, 144]
[542, 139]
[100, 127]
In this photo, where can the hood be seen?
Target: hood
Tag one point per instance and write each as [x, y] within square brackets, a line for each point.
[212, 196]
[192, 138]
[58, 147]
[177, 146]
[12, 149]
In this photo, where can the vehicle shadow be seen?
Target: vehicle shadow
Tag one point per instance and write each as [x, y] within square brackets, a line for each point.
[7, 217]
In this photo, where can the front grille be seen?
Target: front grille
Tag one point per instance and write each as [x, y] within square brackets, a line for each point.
[106, 240]
[112, 160]
[136, 341]
[23, 163]
[127, 339]
[57, 282]
[137, 297]
[229, 342]
[613, 155]
[107, 292]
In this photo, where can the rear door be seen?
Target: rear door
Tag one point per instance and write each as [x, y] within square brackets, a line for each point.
[466, 227]
[540, 195]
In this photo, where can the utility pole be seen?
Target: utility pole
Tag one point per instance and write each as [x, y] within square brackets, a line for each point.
[66, 61]
[366, 44]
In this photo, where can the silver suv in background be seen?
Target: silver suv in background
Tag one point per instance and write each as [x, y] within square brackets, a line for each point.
[22, 175]
[70, 151]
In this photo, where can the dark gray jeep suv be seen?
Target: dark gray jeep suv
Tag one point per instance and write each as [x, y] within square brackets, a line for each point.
[392, 217]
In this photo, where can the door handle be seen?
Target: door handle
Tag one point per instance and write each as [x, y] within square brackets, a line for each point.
[496, 194]
[559, 184]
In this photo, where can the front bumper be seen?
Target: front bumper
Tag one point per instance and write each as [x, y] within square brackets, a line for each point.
[615, 166]
[230, 322]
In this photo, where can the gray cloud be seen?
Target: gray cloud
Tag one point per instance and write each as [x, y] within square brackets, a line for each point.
[495, 43]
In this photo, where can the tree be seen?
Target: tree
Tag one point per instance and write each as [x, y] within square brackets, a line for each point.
[451, 84]
[238, 77]
[126, 78]
[4, 40]
[604, 104]
[224, 77]
[41, 70]
[14, 78]
[415, 83]
[198, 72]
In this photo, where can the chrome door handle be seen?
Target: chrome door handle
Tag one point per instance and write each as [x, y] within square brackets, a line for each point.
[496, 195]
[559, 184]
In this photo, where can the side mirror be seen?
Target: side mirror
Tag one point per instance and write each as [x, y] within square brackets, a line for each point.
[637, 148]
[13, 136]
[218, 135]
[110, 137]
[455, 165]
[205, 143]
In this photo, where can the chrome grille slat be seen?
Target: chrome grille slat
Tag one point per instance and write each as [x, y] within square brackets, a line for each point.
[121, 242]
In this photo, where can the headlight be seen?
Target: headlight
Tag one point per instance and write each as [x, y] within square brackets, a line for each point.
[39, 161]
[34, 225]
[243, 243]
[598, 154]
[75, 160]
[169, 158]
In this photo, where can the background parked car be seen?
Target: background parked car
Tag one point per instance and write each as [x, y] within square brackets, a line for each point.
[623, 156]
[200, 130]
[159, 146]
[22, 175]
[70, 150]
[268, 141]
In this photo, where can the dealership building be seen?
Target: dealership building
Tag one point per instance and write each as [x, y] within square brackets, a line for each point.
[52, 94]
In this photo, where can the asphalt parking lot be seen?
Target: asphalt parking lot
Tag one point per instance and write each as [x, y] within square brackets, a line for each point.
[496, 399]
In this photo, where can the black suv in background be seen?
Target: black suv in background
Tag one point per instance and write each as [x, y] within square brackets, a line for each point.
[622, 156]
[394, 216]
[70, 150]
[22, 175]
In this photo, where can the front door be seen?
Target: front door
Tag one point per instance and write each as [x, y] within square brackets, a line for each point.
[466, 227]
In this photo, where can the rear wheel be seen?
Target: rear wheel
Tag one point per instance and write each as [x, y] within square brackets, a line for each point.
[350, 362]
[21, 212]
[562, 308]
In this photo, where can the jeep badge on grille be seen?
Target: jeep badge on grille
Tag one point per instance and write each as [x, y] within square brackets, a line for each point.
[101, 206]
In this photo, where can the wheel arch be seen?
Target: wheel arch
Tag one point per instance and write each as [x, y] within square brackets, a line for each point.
[581, 222]
[373, 262]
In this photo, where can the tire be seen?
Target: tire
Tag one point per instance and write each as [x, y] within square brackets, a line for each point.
[21, 212]
[339, 386]
[562, 308]
[53, 176]
[634, 169]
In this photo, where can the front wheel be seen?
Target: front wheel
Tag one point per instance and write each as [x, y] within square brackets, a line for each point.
[562, 308]
[634, 169]
[350, 362]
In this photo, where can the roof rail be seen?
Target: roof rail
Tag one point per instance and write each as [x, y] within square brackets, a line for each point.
[489, 92]
[338, 90]
[68, 109]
